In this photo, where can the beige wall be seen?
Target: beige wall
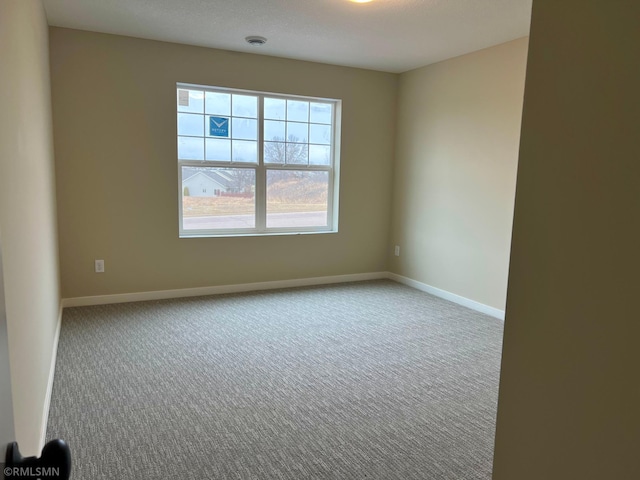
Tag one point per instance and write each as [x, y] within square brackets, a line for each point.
[569, 391]
[7, 430]
[27, 211]
[115, 141]
[457, 148]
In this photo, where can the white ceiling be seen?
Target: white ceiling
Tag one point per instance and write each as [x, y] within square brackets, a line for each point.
[387, 35]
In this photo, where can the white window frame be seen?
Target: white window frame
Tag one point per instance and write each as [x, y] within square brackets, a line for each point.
[261, 168]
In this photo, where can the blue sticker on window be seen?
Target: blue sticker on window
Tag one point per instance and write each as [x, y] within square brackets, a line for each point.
[219, 126]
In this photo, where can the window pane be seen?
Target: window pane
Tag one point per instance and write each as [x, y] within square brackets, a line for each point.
[274, 108]
[274, 130]
[319, 155]
[321, 113]
[297, 153]
[320, 134]
[245, 151]
[297, 198]
[223, 152]
[190, 100]
[245, 129]
[218, 149]
[218, 103]
[297, 111]
[297, 132]
[218, 198]
[274, 152]
[245, 106]
[190, 124]
[190, 148]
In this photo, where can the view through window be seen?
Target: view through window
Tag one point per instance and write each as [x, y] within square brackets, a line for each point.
[256, 163]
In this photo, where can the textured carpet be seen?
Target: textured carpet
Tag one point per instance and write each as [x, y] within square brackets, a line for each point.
[371, 380]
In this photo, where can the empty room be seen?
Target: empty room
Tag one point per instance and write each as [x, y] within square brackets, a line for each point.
[386, 239]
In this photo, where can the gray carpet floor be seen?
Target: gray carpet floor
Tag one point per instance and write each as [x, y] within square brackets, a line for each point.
[369, 380]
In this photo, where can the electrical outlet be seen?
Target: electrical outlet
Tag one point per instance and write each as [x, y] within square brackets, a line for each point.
[396, 251]
[99, 266]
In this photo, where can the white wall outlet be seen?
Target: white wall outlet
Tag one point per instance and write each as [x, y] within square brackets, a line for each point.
[396, 251]
[99, 266]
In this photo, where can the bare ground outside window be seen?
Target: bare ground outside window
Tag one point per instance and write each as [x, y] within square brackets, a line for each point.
[294, 199]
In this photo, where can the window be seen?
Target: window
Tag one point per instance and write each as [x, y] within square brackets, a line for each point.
[256, 163]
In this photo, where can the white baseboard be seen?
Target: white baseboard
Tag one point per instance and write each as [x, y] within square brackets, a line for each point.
[452, 297]
[217, 290]
[52, 370]
[250, 287]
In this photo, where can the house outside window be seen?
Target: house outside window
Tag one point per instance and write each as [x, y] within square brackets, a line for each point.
[255, 163]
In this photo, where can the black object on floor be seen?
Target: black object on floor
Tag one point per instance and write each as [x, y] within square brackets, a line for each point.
[55, 462]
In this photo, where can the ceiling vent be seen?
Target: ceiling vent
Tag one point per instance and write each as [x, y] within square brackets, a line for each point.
[256, 41]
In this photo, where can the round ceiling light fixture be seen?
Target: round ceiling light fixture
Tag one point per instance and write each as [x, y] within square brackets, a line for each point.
[361, 1]
[255, 40]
